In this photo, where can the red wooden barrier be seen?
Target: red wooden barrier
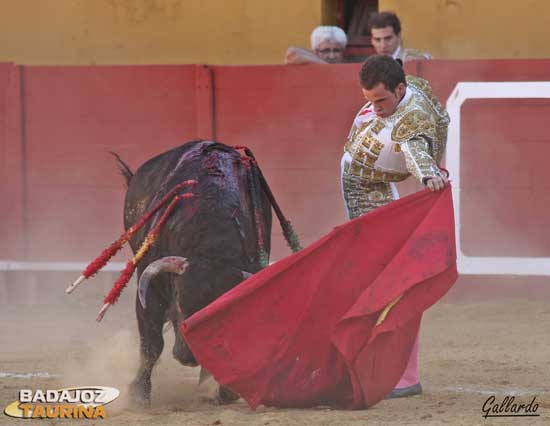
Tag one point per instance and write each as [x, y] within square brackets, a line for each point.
[63, 197]
[296, 120]
[12, 173]
[73, 117]
[505, 187]
[505, 195]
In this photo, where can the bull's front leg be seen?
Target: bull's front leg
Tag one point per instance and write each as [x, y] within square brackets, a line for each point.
[150, 324]
[181, 351]
[222, 394]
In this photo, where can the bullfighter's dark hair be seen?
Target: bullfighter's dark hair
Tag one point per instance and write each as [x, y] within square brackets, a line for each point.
[381, 69]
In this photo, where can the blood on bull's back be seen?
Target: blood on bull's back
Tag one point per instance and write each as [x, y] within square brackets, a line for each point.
[219, 222]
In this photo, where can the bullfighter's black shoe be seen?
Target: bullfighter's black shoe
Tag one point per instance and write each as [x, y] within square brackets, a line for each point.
[408, 391]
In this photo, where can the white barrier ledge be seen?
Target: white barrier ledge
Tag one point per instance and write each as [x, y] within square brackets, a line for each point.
[488, 90]
[13, 265]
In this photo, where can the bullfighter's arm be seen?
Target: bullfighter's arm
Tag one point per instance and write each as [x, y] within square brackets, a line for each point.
[419, 161]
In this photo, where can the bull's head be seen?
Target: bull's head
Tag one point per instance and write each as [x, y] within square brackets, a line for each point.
[173, 264]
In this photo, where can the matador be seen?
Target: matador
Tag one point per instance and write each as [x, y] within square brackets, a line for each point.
[382, 150]
[401, 131]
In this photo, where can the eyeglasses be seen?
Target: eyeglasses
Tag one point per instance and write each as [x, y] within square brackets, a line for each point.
[327, 51]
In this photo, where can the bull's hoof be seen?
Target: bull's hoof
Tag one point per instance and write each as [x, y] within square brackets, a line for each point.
[139, 397]
[224, 395]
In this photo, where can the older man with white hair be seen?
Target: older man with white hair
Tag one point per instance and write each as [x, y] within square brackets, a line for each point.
[328, 44]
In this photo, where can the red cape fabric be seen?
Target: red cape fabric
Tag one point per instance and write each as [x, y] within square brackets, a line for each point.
[303, 332]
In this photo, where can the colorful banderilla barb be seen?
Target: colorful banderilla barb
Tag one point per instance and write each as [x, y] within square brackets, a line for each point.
[288, 231]
[128, 271]
[110, 251]
[252, 178]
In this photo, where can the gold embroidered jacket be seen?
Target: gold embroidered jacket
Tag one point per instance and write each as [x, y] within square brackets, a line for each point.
[384, 150]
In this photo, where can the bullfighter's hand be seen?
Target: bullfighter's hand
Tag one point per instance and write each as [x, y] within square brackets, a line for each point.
[436, 183]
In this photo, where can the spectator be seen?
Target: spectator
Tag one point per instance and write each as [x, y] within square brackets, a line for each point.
[328, 44]
[385, 32]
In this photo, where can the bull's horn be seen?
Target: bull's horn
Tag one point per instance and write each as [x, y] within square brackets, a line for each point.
[174, 264]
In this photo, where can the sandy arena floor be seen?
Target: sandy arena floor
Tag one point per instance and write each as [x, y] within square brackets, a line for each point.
[468, 352]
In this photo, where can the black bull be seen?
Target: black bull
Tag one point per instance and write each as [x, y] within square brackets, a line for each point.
[208, 245]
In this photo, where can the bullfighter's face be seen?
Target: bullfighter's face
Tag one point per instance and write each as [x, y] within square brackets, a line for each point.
[384, 101]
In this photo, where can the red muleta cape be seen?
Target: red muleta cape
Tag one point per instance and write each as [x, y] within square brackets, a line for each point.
[303, 331]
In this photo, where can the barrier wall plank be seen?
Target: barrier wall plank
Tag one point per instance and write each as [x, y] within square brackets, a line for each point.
[75, 115]
[444, 74]
[296, 120]
[12, 225]
[505, 186]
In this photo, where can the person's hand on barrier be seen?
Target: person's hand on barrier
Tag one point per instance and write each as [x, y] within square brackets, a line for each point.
[299, 56]
[437, 183]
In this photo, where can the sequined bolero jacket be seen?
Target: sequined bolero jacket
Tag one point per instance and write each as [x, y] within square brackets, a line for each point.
[410, 141]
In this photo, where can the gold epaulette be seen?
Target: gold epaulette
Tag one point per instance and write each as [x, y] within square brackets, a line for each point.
[414, 123]
[440, 114]
[425, 89]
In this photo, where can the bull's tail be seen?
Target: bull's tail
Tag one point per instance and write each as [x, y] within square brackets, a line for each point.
[290, 236]
[123, 168]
